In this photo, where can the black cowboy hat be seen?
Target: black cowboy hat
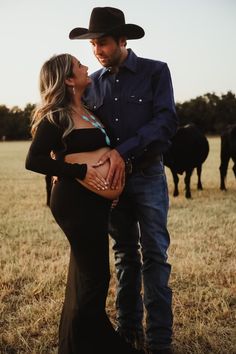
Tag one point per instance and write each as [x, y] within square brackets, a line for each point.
[106, 21]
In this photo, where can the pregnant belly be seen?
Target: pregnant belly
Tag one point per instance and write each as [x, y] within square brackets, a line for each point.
[90, 158]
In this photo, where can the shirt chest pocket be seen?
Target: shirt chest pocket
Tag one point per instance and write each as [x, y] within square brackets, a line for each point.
[140, 107]
[139, 99]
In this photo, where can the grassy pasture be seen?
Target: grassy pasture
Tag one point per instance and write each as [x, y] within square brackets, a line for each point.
[34, 258]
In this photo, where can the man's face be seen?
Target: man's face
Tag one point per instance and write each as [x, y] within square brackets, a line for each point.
[108, 51]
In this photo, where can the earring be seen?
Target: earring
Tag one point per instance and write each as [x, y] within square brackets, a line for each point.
[73, 89]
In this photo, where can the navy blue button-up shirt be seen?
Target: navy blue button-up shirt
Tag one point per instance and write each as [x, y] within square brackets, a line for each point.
[136, 105]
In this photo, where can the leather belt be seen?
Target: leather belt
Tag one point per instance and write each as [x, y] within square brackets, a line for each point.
[142, 163]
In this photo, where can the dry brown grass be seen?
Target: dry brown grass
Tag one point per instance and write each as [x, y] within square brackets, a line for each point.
[34, 257]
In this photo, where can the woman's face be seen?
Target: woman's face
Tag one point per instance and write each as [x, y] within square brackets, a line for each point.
[80, 79]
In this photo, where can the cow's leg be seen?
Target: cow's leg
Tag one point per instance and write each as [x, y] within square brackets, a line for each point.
[176, 182]
[223, 170]
[187, 179]
[199, 173]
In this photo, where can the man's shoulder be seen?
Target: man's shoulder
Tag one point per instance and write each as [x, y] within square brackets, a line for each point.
[158, 64]
[140, 62]
[152, 68]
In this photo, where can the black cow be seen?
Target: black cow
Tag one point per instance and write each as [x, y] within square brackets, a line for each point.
[189, 150]
[227, 152]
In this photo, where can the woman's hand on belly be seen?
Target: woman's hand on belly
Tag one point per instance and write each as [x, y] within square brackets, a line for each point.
[106, 192]
[96, 175]
[95, 179]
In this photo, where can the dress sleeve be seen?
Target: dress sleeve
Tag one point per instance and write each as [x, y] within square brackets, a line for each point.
[47, 139]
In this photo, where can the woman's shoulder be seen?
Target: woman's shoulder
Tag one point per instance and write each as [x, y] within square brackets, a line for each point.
[47, 124]
[48, 130]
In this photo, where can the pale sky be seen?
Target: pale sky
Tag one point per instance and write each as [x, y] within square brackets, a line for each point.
[197, 38]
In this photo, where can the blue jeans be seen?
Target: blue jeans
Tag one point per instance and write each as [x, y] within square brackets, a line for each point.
[138, 226]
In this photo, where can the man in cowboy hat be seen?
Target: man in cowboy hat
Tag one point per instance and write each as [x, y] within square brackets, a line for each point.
[134, 99]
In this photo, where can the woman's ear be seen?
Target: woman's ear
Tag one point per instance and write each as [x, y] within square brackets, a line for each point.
[69, 81]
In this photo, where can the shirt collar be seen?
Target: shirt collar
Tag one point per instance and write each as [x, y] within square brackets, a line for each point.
[130, 63]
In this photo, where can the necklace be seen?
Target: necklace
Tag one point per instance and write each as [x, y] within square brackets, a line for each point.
[92, 120]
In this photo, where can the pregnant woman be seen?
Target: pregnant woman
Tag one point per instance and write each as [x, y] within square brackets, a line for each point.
[67, 142]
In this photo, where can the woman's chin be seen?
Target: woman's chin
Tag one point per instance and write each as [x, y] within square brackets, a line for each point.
[89, 81]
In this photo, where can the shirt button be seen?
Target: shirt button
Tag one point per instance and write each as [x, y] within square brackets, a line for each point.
[116, 119]
[140, 100]
[117, 139]
[116, 99]
[117, 80]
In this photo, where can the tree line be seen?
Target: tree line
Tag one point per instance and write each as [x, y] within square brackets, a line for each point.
[211, 113]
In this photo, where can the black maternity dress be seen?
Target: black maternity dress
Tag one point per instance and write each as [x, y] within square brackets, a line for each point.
[83, 216]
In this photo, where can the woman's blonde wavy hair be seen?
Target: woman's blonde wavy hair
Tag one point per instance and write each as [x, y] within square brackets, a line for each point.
[55, 96]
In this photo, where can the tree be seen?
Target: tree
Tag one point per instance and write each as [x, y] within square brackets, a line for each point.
[209, 112]
[4, 113]
[15, 123]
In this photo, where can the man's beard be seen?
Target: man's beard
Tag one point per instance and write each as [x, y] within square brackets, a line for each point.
[111, 62]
